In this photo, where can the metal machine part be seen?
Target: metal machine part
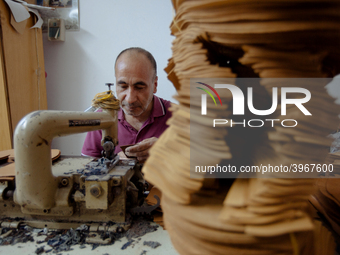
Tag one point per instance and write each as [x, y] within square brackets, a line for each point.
[109, 149]
[109, 84]
[146, 209]
[74, 190]
[91, 109]
[89, 190]
[37, 188]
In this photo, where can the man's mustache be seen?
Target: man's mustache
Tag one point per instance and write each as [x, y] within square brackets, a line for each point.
[136, 104]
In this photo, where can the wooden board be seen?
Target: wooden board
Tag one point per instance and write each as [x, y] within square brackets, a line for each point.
[24, 67]
[55, 154]
[9, 169]
[5, 127]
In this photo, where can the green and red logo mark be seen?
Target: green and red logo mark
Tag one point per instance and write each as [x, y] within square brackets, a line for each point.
[212, 89]
[204, 97]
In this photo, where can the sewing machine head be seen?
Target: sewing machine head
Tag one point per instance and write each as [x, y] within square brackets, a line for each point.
[74, 189]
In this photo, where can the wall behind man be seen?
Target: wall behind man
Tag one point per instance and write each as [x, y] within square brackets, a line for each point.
[78, 68]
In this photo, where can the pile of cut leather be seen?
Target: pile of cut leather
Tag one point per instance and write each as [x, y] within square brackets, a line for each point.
[327, 202]
[326, 199]
[334, 159]
[279, 42]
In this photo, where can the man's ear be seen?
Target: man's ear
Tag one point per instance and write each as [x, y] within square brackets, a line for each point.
[155, 85]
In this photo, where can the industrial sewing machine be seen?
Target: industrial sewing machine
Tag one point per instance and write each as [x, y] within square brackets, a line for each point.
[74, 190]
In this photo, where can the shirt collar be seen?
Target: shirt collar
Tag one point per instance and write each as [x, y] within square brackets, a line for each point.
[158, 107]
[157, 110]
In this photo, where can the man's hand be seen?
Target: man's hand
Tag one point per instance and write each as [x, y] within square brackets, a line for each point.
[141, 150]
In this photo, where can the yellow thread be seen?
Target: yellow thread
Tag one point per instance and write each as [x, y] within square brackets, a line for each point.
[105, 100]
[294, 244]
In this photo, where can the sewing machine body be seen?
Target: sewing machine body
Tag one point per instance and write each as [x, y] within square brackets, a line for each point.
[74, 190]
[83, 197]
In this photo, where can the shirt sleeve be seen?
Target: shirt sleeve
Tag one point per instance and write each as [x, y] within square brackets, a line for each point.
[92, 145]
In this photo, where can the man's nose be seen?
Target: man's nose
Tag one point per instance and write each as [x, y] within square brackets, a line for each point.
[131, 96]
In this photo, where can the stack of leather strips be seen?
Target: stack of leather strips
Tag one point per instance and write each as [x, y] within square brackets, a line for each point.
[281, 42]
[334, 159]
[326, 201]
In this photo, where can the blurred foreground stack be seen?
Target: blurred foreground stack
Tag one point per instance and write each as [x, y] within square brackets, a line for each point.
[231, 39]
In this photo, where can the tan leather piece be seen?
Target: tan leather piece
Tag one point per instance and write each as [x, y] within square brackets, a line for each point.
[271, 209]
[326, 199]
[326, 243]
[333, 188]
[123, 148]
[320, 203]
[55, 154]
[7, 153]
[4, 155]
[9, 169]
[212, 241]
[286, 226]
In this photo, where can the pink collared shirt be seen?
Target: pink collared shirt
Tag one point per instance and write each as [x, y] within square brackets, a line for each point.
[154, 126]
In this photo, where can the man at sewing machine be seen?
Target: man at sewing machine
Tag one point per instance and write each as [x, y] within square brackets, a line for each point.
[142, 116]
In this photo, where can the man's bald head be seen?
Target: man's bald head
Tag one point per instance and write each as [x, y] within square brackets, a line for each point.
[138, 50]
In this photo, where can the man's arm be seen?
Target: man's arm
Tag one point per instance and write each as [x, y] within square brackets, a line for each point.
[92, 145]
[141, 150]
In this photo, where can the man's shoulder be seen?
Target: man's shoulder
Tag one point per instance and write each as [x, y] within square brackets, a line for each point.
[164, 102]
[161, 108]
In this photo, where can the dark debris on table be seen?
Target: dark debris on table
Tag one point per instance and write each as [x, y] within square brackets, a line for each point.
[58, 241]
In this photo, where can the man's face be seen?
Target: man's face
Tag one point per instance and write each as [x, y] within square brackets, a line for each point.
[136, 83]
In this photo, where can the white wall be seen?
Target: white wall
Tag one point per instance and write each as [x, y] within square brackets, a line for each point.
[78, 68]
